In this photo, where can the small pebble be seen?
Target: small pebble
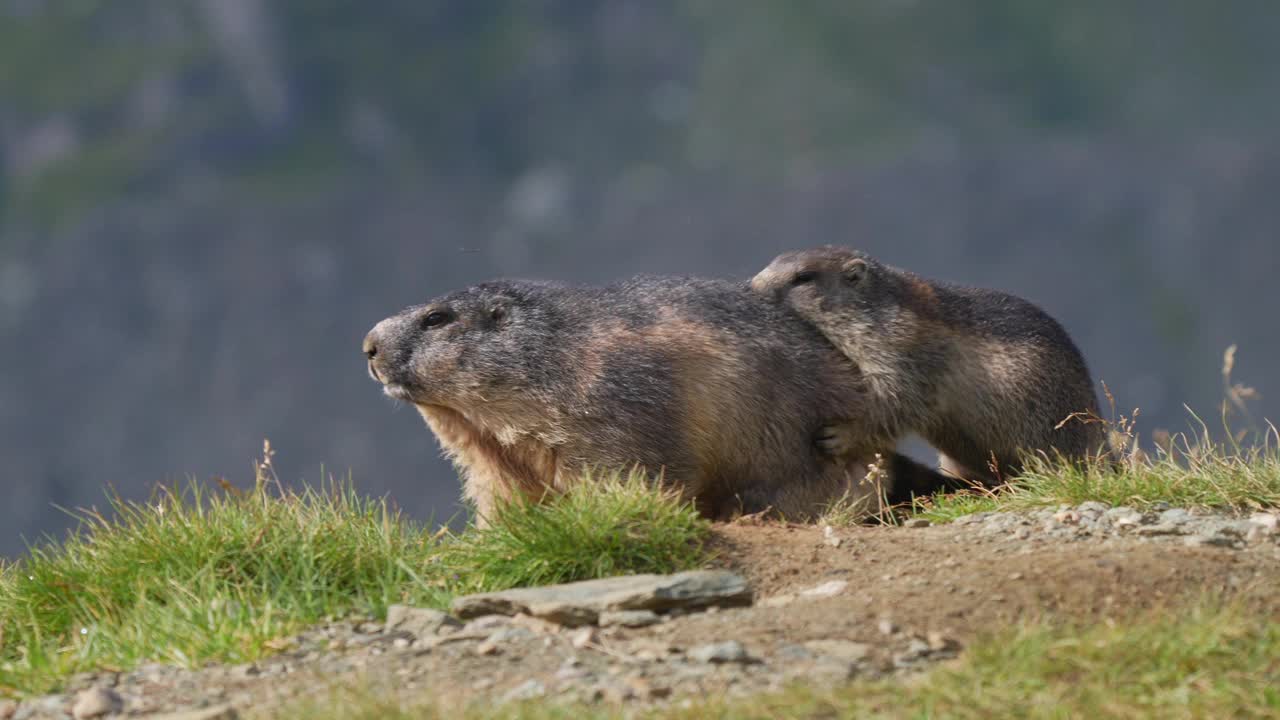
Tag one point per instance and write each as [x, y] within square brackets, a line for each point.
[723, 652]
[826, 589]
[96, 702]
[887, 626]
[1067, 517]
[1209, 541]
[582, 638]
[1269, 522]
[1159, 529]
[629, 618]
[916, 523]
[526, 690]
[938, 642]
[840, 649]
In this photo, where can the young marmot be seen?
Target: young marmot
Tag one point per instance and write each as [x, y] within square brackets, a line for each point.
[715, 389]
[982, 375]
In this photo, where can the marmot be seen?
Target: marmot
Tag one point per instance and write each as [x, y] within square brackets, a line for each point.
[982, 375]
[717, 390]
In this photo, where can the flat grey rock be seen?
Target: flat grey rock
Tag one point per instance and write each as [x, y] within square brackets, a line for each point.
[418, 622]
[581, 603]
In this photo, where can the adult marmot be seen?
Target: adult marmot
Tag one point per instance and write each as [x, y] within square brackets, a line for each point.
[716, 389]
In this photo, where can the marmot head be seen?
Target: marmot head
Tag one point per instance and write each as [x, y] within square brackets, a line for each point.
[824, 280]
[457, 349]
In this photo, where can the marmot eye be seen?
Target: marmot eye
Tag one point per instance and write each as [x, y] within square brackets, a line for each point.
[804, 278]
[436, 319]
[497, 314]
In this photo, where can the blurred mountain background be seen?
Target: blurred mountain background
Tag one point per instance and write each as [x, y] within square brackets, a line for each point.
[204, 204]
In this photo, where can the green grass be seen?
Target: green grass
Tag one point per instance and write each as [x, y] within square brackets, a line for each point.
[620, 526]
[1205, 661]
[1188, 474]
[200, 575]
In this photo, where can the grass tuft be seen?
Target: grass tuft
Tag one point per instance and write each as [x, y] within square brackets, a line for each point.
[607, 525]
[195, 575]
[1182, 472]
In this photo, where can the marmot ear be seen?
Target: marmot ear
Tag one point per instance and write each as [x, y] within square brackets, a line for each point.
[854, 271]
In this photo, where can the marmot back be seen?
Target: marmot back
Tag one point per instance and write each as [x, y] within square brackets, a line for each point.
[983, 375]
[718, 390]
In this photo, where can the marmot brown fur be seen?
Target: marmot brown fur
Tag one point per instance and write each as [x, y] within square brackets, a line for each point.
[716, 389]
[982, 375]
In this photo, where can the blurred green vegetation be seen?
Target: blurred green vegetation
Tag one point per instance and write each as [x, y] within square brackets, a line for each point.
[482, 90]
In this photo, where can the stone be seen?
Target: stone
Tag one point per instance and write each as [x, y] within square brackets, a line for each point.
[916, 650]
[916, 523]
[887, 626]
[826, 589]
[583, 638]
[1123, 518]
[777, 601]
[845, 650]
[1067, 517]
[829, 670]
[1174, 516]
[1209, 541]
[829, 536]
[940, 643]
[216, 712]
[634, 688]
[96, 702]
[526, 690]
[581, 603]
[793, 652]
[1093, 507]
[628, 618]
[488, 622]
[418, 622]
[536, 625]
[510, 634]
[731, 651]
[1160, 529]
[1268, 521]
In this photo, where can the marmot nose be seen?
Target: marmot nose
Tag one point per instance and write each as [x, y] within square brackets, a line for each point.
[370, 347]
